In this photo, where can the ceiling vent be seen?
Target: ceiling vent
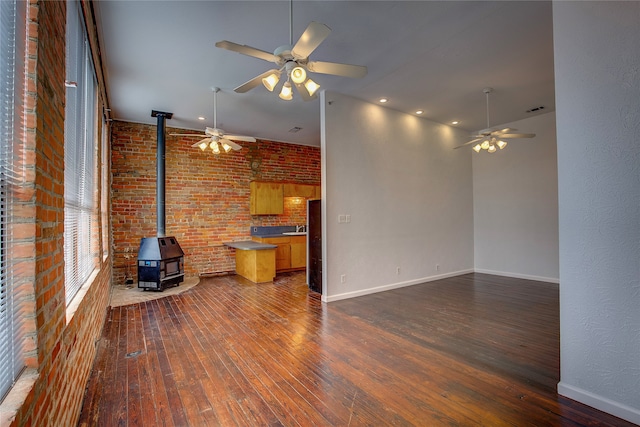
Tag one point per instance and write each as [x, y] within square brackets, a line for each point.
[535, 109]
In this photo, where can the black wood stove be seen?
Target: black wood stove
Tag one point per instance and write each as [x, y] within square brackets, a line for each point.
[160, 258]
[160, 263]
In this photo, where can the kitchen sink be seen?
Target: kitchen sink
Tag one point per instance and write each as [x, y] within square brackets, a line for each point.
[295, 233]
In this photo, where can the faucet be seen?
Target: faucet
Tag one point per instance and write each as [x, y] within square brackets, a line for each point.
[301, 228]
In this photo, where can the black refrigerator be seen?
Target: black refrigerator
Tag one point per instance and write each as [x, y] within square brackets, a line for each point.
[314, 245]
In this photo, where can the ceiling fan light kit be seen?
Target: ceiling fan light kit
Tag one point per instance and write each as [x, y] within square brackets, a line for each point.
[293, 60]
[488, 139]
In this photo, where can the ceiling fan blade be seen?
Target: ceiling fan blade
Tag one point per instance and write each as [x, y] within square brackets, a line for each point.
[469, 142]
[230, 144]
[336, 69]
[245, 87]
[187, 134]
[197, 144]
[247, 50]
[517, 135]
[240, 138]
[310, 40]
[501, 131]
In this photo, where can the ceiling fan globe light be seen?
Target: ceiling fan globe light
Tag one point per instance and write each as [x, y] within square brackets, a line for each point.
[477, 148]
[226, 147]
[298, 75]
[501, 144]
[286, 92]
[485, 144]
[203, 146]
[492, 149]
[271, 81]
[311, 86]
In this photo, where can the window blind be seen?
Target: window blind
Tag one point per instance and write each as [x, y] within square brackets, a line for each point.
[12, 38]
[79, 155]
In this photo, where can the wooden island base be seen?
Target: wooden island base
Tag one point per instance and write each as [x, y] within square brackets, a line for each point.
[256, 265]
[255, 261]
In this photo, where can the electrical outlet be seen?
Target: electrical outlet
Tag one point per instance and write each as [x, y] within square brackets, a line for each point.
[343, 278]
[397, 270]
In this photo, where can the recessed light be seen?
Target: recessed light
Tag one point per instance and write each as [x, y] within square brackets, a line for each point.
[419, 112]
[455, 122]
[201, 118]
[383, 100]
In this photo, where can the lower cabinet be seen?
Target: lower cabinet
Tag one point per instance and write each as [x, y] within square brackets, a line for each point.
[291, 251]
[298, 252]
[283, 255]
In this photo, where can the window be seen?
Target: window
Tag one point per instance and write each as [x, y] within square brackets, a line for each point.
[12, 35]
[79, 156]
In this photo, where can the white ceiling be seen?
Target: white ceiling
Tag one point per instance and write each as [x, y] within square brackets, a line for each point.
[430, 55]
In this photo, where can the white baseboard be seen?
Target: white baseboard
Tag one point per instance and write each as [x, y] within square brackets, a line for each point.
[601, 403]
[518, 275]
[391, 286]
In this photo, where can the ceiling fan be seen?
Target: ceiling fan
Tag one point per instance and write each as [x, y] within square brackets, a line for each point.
[215, 138]
[488, 139]
[293, 60]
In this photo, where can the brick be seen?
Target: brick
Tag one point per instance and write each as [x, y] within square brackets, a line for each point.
[207, 196]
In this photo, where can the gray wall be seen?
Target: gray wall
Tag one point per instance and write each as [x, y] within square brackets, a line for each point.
[597, 62]
[515, 204]
[408, 194]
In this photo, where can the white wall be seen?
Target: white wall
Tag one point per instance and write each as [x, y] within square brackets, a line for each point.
[515, 204]
[408, 194]
[597, 63]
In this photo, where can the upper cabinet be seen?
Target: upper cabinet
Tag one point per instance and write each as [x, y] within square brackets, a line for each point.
[267, 198]
[306, 191]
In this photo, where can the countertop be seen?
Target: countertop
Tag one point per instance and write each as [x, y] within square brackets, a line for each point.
[249, 245]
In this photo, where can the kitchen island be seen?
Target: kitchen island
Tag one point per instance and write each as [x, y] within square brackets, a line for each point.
[255, 261]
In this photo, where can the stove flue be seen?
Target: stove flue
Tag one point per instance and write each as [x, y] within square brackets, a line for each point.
[160, 258]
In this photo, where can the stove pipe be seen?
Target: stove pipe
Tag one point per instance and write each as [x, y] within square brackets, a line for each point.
[160, 171]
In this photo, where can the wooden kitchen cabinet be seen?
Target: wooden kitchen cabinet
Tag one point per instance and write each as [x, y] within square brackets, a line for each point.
[283, 255]
[291, 251]
[305, 191]
[267, 198]
[298, 251]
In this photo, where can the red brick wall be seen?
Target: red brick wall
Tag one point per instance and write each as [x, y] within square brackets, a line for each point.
[61, 350]
[207, 196]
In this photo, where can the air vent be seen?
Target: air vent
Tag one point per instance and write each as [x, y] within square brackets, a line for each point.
[533, 110]
[295, 129]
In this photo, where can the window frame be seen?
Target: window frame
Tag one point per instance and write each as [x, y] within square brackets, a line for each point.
[13, 280]
[81, 154]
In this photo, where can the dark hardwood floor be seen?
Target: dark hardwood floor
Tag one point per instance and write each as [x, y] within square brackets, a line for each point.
[469, 350]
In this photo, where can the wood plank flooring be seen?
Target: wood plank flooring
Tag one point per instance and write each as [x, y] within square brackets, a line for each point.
[469, 350]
